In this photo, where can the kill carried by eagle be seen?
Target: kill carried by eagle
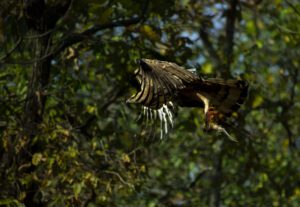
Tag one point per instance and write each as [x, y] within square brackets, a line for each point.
[165, 85]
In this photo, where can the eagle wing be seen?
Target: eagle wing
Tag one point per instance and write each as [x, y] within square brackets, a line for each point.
[165, 84]
[159, 82]
[226, 96]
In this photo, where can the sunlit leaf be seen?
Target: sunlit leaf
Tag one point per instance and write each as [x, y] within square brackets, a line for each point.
[37, 158]
[150, 33]
[77, 187]
[258, 100]
[207, 68]
[125, 158]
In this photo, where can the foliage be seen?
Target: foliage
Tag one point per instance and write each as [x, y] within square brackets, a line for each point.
[70, 140]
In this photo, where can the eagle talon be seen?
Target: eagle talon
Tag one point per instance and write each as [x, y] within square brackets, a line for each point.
[211, 120]
[210, 117]
[223, 130]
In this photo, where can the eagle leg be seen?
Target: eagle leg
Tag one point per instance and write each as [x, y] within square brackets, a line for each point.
[211, 118]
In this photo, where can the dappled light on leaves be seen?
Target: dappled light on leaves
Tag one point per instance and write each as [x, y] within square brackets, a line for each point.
[67, 137]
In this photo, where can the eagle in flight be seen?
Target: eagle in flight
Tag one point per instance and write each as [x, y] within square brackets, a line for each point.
[165, 85]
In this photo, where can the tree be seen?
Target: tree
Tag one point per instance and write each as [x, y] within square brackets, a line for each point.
[68, 138]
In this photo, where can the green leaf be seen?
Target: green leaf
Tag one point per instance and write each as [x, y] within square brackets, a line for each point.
[77, 187]
[36, 158]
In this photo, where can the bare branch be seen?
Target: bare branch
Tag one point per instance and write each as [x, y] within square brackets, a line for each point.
[288, 130]
[2, 59]
[120, 178]
[41, 34]
[295, 81]
[285, 30]
[293, 7]
[78, 37]
[231, 15]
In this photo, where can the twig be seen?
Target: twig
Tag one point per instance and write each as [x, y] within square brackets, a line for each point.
[232, 13]
[120, 178]
[293, 7]
[293, 89]
[41, 34]
[286, 30]
[77, 37]
[11, 50]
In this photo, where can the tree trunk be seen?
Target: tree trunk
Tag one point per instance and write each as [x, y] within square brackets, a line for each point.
[36, 96]
[216, 196]
[42, 17]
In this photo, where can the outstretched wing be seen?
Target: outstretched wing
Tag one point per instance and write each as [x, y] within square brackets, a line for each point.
[159, 83]
[160, 80]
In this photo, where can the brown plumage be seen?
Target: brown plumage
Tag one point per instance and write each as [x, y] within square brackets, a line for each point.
[165, 85]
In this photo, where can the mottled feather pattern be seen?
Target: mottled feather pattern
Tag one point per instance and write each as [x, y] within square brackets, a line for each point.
[225, 95]
[165, 84]
[159, 81]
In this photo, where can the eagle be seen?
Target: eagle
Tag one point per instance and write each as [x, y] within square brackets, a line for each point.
[165, 85]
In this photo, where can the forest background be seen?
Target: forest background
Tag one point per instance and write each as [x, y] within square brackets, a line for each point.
[69, 139]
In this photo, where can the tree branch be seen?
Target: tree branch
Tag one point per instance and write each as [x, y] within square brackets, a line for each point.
[217, 179]
[74, 38]
[231, 15]
[293, 7]
[120, 178]
[2, 59]
[78, 37]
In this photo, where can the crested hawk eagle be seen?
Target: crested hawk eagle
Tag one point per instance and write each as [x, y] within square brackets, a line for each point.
[166, 85]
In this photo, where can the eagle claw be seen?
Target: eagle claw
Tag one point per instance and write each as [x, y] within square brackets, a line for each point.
[211, 118]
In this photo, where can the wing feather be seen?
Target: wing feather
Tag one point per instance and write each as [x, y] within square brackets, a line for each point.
[161, 94]
[159, 82]
[225, 95]
[141, 78]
